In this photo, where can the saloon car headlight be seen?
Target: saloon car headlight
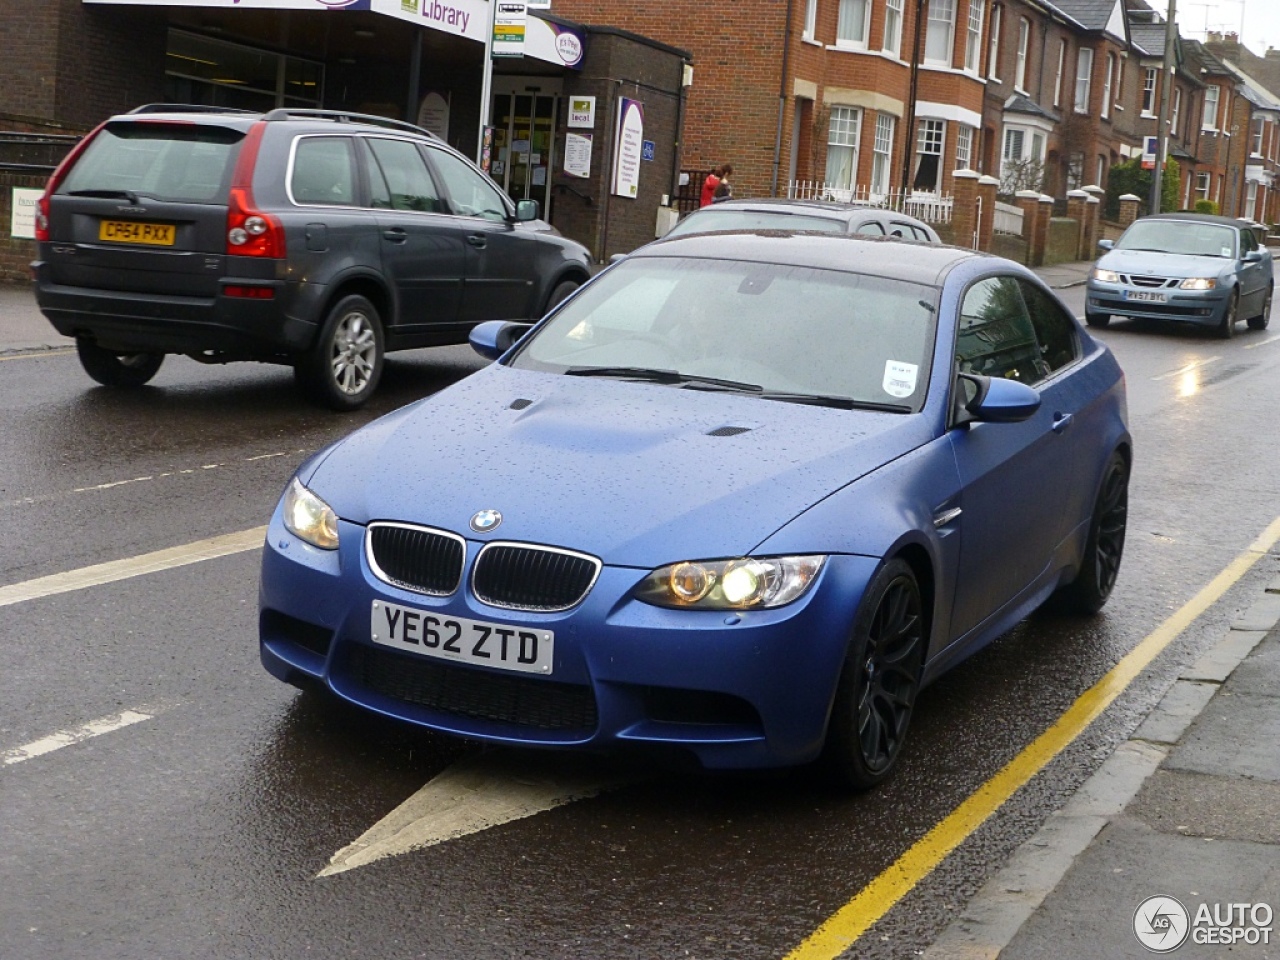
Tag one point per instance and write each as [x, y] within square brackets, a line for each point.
[1106, 276]
[743, 584]
[309, 518]
[1198, 283]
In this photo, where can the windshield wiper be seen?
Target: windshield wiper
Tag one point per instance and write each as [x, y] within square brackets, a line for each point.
[830, 400]
[106, 194]
[656, 375]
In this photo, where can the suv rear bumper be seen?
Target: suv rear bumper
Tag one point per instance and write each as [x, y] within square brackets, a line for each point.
[157, 323]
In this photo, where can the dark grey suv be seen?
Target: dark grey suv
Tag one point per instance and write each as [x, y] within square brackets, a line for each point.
[312, 238]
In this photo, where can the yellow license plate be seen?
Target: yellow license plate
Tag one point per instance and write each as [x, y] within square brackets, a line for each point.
[126, 231]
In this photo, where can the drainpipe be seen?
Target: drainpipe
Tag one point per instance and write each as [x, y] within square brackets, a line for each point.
[782, 97]
[911, 99]
[1166, 98]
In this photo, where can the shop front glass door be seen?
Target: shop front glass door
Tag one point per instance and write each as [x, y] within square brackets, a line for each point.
[524, 145]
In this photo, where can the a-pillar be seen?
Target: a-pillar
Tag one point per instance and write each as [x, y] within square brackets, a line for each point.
[1129, 209]
[1077, 201]
[964, 205]
[987, 187]
[1029, 204]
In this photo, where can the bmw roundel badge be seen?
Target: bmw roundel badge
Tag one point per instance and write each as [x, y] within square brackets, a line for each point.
[486, 520]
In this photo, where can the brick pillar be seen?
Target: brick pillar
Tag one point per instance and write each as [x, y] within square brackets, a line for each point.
[964, 207]
[1029, 204]
[1042, 228]
[1077, 201]
[987, 187]
[1093, 227]
[1129, 209]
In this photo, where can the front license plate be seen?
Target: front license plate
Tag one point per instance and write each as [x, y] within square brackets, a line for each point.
[1152, 296]
[127, 231]
[464, 641]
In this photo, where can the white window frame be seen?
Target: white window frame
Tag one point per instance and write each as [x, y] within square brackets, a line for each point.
[1250, 199]
[931, 140]
[882, 154]
[810, 19]
[1102, 171]
[1209, 121]
[1106, 86]
[973, 46]
[1084, 79]
[1259, 130]
[1020, 67]
[844, 133]
[1119, 94]
[935, 25]
[993, 48]
[1062, 65]
[1203, 182]
[1032, 143]
[850, 34]
[893, 27]
[964, 147]
[1177, 110]
[1149, 92]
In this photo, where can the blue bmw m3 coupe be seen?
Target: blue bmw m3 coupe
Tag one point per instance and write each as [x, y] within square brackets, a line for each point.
[742, 496]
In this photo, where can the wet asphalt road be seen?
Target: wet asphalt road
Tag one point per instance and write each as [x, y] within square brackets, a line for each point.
[199, 832]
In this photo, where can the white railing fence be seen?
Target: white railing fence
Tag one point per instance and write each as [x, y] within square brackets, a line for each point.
[929, 207]
[1008, 219]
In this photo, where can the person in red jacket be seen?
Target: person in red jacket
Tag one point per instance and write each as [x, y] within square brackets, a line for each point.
[709, 185]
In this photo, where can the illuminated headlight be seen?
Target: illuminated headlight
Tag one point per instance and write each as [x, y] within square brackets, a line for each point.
[309, 518]
[1106, 276]
[1199, 283]
[747, 583]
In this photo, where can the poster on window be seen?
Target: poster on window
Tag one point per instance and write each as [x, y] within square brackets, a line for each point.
[630, 146]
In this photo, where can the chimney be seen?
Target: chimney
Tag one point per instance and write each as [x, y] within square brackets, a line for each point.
[1215, 36]
[1273, 53]
[1233, 37]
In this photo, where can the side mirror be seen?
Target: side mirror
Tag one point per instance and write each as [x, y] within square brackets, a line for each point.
[995, 399]
[527, 210]
[493, 338]
[1253, 256]
[614, 258]
[1106, 244]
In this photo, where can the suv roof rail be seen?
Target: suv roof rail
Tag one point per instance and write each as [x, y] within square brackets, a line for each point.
[187, 108]
[345, 116]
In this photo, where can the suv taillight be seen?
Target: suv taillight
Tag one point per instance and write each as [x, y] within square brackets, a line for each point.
[59, 174]
[250, 232]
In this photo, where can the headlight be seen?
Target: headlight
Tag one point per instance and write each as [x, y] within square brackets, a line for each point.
[1198, 283]
[747, 583]
[309, 518]
[1106, 276]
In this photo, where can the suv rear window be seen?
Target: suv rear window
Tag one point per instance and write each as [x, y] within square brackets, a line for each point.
[157, 161]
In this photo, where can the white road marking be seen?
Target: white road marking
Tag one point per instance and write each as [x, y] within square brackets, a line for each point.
[1194, 365]
[65, 738]
[101, 573]
[1262, 343]
[475, 794]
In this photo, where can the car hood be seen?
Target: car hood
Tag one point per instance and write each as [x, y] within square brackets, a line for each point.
[1149, 263]
[637, 474]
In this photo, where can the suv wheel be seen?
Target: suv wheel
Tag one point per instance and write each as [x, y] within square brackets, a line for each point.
[343, 368]
[112, 369]
[562, 290]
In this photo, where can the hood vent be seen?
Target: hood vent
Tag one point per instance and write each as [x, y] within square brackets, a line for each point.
[728, 431]
[520, 404]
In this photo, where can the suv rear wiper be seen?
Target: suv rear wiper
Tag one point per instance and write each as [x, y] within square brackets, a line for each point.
[674, 377]
[106, 194]
[830, 400]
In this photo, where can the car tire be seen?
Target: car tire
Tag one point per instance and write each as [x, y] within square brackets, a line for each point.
[343, 368]
[1227, 327]
[878, 682]
[112, 368]
[1261, 320]
[562, 290]
[1104, 547]
[1099, 320]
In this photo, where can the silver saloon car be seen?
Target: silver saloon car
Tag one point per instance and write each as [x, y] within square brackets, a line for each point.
[1184, 268]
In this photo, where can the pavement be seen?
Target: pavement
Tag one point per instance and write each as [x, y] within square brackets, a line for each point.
[1172, 846]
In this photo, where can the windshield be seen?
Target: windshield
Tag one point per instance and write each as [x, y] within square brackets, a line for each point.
[709, 219]
[795, 332]
[1180, 236]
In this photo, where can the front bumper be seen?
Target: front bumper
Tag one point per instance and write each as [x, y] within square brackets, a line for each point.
[734, 689]
[1202, 307]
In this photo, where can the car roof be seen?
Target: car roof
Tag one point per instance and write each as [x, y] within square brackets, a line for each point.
[1199, 218]
[833, 209]
[242, 120]
[882, 256]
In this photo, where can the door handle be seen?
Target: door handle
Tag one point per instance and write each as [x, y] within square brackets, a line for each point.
[478, 240]
[395, 235]
[1061, 421]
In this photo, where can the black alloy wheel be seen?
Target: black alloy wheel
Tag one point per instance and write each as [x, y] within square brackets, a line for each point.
[1100, 565]
[1227, 328]
[113, 369]
[343, 368]
[1261, 320]
[878, 684]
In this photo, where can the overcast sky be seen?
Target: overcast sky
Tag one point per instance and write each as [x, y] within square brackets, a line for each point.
[1260, 19]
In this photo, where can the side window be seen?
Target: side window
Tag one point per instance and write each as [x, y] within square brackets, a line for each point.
[899, 229]
[379, 192]
[871, 227]
[1248, 241]
[324, 172]
[921, 234]
[470, 193]
[406, 176]
[1055, 330]
[995, 337]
